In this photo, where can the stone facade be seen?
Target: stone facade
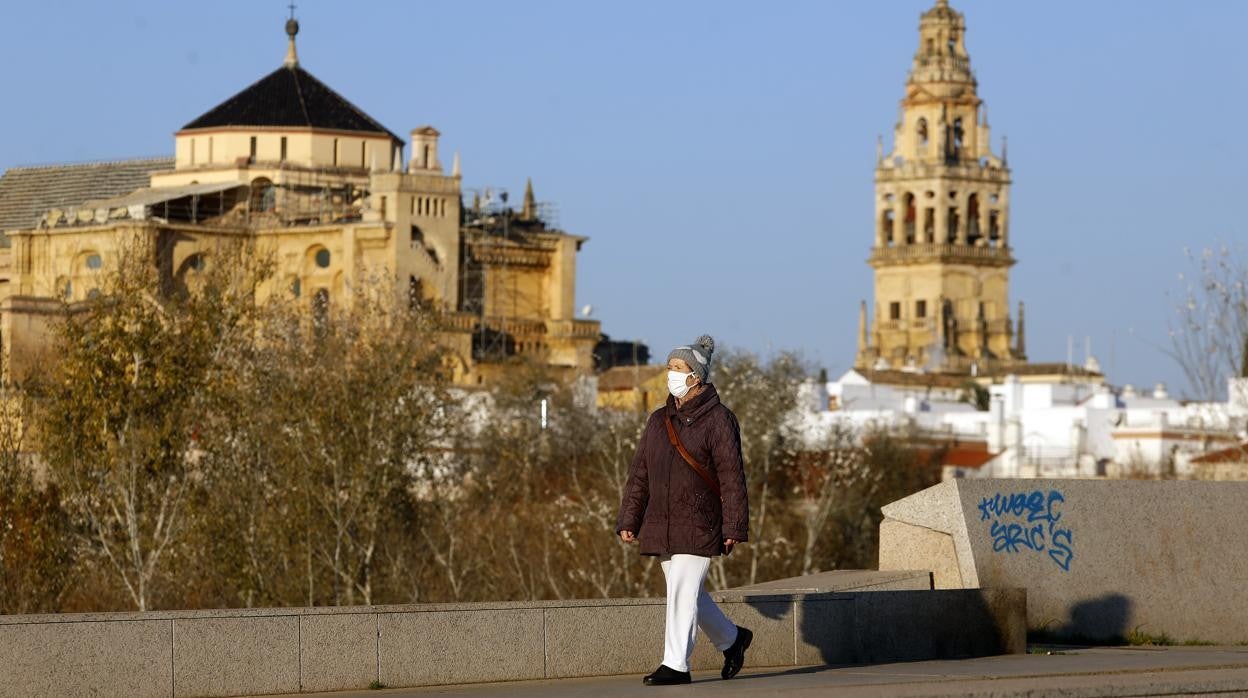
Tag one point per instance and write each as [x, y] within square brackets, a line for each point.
[941, 251]
[311, 180]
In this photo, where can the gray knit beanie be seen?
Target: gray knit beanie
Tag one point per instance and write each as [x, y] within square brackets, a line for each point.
[697, 355]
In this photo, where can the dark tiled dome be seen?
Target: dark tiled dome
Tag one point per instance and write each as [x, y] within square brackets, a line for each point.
[290, 96]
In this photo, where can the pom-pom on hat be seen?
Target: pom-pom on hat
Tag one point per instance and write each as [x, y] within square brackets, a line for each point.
[697, 355]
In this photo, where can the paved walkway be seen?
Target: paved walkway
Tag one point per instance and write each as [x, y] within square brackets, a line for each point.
[1067, 672]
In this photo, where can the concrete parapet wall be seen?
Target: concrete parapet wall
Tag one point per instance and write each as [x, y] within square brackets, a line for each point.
[1099, 559]
[236, 652]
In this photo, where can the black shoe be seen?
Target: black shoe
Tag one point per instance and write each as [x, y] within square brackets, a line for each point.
[734, 657]
[666, 676]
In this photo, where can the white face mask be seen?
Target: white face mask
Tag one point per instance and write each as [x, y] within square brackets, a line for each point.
[676, 383]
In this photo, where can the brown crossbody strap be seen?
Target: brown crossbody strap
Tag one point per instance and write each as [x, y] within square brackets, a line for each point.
[697, 467]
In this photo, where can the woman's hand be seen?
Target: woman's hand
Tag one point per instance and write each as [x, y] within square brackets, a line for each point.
[627, 536]
[728, 544]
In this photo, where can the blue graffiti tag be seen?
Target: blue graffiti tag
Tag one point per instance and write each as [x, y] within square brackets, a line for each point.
[1030, 523]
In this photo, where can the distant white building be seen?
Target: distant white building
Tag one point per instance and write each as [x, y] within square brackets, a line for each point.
[1039, 421]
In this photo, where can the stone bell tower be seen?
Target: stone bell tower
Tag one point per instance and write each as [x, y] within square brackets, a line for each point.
[941, 253]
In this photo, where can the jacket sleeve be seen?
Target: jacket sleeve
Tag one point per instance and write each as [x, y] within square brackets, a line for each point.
[730, 469]
[636, 490]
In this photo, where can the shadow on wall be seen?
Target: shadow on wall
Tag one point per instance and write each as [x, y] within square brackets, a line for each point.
[1102, 620]
[891, 626]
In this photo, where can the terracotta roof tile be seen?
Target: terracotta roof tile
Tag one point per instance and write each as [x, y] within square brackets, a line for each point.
[1234, 454]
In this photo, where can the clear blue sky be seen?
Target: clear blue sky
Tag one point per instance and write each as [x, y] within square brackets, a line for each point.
[720, 154]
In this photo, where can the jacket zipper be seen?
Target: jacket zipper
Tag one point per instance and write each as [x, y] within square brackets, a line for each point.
[667, 544]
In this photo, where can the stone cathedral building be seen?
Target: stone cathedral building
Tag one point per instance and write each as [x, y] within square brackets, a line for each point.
[941, 253]
[311, 179]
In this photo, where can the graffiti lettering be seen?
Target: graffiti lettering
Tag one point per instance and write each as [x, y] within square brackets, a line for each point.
[1023, 521]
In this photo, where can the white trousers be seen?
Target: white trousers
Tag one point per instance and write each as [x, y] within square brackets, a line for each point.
[690, 607]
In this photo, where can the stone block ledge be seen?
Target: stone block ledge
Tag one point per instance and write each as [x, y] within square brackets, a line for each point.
[822, 620]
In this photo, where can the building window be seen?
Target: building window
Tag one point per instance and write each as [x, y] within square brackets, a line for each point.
[335, 152]
[94, 262]
[252, 157]
[363, 158]
[263, 195]
[383, 207]
[283, 156]
[920, 309]
[894, 311]
[418, 236]
[322, 258]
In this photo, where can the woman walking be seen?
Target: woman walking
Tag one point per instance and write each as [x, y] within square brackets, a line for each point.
[685, 502]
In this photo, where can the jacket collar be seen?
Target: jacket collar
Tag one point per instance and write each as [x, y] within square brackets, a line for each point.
[701, 404]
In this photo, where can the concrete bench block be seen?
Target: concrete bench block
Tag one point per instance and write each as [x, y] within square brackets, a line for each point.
[228, 656]
[443, 647]
[106, 658]
[835, 580]
[1099, 559]
[337, 651]
[947, 624]
[825, 630]
[911, 545]
[772, 625]
[589, 641]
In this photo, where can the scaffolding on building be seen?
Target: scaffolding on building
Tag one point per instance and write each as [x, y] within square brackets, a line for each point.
[488, 223]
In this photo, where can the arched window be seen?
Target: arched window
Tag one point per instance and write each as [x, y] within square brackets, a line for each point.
[84, 274]
[920, 130]
[911, 216]
[957, 138]
[263, 195]
[972, 218]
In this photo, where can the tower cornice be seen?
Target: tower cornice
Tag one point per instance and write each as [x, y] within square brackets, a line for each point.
[967, 171]
[941, 253]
